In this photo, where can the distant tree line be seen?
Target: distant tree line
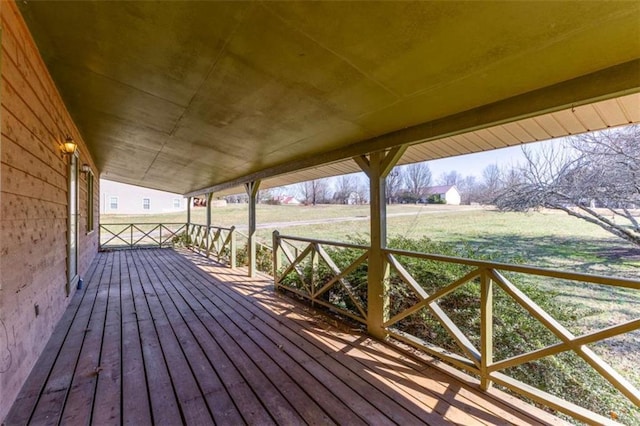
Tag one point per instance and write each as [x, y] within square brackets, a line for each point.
[405, 184]
[594, 177]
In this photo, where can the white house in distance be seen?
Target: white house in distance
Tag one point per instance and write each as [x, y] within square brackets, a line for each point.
[120, 198]
[448, 193]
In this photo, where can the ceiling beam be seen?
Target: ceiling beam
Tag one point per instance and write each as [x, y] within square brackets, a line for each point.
[619, 80]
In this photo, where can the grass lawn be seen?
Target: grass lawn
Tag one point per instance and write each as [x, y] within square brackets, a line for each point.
[236, 214]
[547, 239]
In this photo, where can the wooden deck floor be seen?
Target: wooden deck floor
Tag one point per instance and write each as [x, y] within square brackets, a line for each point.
[166, 337]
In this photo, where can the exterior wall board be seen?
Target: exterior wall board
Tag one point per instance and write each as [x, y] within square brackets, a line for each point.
[452, 197]
[130, 199]
[33, 205]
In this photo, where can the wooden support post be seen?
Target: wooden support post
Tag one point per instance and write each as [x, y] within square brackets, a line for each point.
[486, 329]
[208, 238]
[252, 192]
[314, 274]
[189, 201]
[277, 260]
[377, 167]
[232, 248]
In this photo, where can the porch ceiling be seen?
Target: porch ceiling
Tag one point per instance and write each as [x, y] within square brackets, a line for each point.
[186, 96]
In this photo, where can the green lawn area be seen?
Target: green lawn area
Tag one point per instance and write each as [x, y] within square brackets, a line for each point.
[548, 239]
[236, 214]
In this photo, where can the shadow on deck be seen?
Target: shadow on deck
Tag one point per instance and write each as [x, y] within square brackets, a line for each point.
[165, 337]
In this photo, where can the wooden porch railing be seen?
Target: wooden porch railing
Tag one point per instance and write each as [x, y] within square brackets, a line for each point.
[264, 254]
[214, 241]
[312, 273]
[300, 274]
[134, 235]
[226, 245]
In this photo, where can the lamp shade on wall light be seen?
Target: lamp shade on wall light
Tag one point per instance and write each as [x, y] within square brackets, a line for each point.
[69, 146]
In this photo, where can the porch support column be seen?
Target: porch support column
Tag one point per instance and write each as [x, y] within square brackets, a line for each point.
[189, 201]
[252, 192]
[208, 242]
[377, 167]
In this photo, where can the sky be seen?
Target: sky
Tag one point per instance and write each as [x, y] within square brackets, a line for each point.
[465, 165]
[469, 164]
[473, 164]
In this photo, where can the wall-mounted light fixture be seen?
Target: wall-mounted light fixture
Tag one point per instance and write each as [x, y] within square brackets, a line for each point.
[69, 146]
[86, 168]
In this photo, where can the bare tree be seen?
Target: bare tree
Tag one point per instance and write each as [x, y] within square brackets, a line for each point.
[314, 191]
[451, 178]
[510, 176]
[361, 191]
[394, 186]
[469, 190]
[594, 177]
[417, 178]
[345, 186]
[491, 184]
[266, 196]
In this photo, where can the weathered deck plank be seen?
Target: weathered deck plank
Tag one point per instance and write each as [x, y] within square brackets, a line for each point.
[188, 392]
[221, 405]
[79, 404]
[162, 398]
[135, 401]
[367, 404]
[50, 405]
[162, 337]
[37, 381]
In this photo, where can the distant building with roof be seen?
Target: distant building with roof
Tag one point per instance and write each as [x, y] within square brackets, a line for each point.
[445, 194]
[120, 198]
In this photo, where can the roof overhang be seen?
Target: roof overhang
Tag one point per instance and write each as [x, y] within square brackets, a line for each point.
[193, 97]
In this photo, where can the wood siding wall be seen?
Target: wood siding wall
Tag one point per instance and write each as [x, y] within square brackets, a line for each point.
[33, 199]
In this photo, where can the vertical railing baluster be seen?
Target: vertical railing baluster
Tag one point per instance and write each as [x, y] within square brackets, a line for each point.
[486, 328]
[218, 243]
[277, 260]
[208, 242]
[314, 272]
[131, 236]
[232, 248]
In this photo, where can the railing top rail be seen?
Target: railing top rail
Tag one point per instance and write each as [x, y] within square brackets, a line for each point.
[324, 242]
[532, 270]
[224, 228]
[143, 223]
[212, 226]
[243, 235]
